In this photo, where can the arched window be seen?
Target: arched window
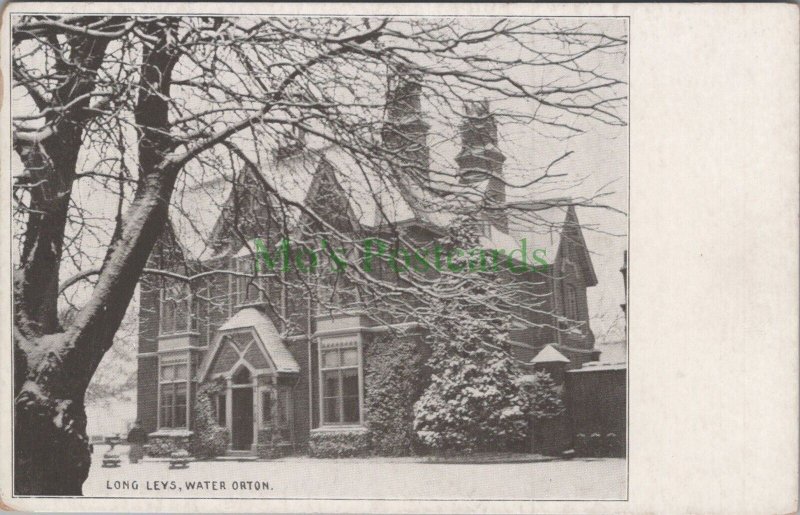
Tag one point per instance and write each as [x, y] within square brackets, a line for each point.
[248, 288]
[242, 376]
[177, 308]
[571, 302]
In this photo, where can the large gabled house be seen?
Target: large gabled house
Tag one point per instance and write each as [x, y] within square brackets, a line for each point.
[289, 371]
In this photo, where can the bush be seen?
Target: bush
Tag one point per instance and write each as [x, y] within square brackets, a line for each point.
[581, 445]
[160, 447]
[544, 396]
[209, 439]
[394, 379]
[474, 401]
[340, 444]
[614, 445]
[597, 445]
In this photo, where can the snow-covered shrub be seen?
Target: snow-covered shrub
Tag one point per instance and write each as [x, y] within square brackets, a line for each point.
[582, 444]
[338, 444]
[544, 396]
[160, 447]
[474, 401]
[596, 444]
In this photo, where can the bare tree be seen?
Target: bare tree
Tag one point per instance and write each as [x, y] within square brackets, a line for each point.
[140, 109]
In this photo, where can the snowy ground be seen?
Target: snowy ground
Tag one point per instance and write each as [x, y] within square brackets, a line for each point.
[410, 478]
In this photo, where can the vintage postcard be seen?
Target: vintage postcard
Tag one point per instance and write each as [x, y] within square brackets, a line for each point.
[285, 260]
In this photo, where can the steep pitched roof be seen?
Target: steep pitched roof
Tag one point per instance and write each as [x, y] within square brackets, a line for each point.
[268, 336]
[549, 354]
[375, 199]
[195, 211]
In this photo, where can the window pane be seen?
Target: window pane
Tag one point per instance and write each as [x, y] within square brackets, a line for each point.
[253, 291]
[180, 371]
[180, 416]
[167, 373]
[330, 358]
[331, 410]
[221, 409]
[266, 408]
[167, 405]
[350, 393]
[168, 317]
[166, 416]
[330, 383]
[241, 285]
[284, 407]
[180, 405]
[350, 382]
[350, 357]
[351, 409]
[182, 315]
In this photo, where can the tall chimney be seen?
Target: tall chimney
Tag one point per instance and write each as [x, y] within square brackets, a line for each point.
[480, 160]
[405, 130]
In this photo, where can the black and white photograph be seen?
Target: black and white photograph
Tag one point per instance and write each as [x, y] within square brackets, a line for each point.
[399, 258]
[320, 257]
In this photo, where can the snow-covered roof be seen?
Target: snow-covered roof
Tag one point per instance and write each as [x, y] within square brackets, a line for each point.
[375, 199]
[267, 333]
[195, 210]
[549, 354]
[599, 366]
[268, 338]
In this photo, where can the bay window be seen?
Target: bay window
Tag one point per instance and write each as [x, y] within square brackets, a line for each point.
[248, 288]
[177, 304]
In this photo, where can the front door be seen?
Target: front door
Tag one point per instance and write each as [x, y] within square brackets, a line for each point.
[242, 428]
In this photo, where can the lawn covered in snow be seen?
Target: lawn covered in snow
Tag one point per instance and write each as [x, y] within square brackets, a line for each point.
[385, 478]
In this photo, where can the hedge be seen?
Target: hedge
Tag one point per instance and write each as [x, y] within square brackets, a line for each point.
[338, 444]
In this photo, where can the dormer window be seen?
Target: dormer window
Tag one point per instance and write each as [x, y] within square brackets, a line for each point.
[176, 312]
[568, 252]
[570, 302]
[248, 285]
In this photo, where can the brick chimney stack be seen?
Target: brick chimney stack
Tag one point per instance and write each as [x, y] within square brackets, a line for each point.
[405, 130]
[481, 160]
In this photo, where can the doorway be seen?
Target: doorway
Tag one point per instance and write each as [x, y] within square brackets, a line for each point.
[242, 412]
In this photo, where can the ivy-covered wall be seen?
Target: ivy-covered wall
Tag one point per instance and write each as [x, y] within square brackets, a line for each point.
[209, 439]
[394, 378]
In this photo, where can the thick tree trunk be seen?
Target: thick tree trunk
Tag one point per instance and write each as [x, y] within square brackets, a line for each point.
[53, 369]
[51, 450]
[50, 446]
